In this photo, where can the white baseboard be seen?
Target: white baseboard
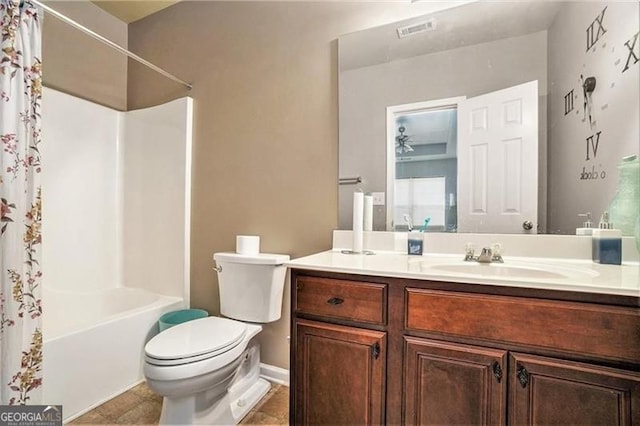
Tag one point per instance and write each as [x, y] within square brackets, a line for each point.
[274, 374]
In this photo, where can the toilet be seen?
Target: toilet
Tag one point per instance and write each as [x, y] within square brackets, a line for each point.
[208, 370]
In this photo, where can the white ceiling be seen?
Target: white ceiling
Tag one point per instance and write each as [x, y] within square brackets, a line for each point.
[132, 10]
[470, 24]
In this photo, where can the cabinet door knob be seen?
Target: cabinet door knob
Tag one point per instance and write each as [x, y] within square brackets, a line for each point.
[497, 371]
[375, 350]
[527, 225]
[523, 376]
[335, 301]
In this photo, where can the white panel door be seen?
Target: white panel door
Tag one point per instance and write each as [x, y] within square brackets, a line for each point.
[498, 161]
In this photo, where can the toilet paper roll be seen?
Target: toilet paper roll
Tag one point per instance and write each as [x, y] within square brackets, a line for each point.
[368, 213]
[358, 221]
[247, 244]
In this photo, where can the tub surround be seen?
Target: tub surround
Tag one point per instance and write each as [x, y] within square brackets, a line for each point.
[98, 307]
[107, 179]
[556, 343]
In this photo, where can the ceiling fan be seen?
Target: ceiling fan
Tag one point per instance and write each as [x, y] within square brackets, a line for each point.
[402, 147]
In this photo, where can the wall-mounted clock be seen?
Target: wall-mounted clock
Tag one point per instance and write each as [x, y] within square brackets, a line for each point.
[613, 57]
[588, 86]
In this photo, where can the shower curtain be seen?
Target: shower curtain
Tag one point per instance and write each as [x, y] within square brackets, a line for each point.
[20, 197]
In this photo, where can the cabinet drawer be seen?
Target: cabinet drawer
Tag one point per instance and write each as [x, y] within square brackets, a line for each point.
[350, 300]
[604, 331]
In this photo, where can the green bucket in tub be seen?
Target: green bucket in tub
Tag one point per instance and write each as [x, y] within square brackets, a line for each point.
[170, 319]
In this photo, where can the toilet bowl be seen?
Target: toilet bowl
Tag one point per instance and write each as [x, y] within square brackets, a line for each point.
[208, 370]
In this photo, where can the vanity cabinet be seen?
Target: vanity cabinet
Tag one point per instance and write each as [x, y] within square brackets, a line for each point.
[342, 372]
[552, 391]
[447, 383]
[339, 358]
[452, 384]
[455, 353]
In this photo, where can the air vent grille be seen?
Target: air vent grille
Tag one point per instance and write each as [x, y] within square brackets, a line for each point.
[413, 29]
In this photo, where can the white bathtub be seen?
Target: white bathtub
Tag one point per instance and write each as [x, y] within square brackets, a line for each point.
[93, 343]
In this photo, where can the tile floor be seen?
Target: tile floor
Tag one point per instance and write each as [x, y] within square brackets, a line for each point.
[140, 406]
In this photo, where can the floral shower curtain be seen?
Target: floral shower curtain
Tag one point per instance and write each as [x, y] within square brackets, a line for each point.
[20, 197]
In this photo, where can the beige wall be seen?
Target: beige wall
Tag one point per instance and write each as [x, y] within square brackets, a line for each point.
[266, 124]
[75, 63]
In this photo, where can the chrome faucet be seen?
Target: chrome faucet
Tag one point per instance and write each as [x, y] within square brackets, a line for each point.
[487, 255]
[496, 249]
[468, 253]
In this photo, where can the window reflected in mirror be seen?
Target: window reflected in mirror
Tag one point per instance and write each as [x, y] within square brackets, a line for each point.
[425, 171]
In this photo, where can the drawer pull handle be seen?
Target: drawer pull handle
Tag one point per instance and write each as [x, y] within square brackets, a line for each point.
[497, 371]
[335, 301]
[523, 376]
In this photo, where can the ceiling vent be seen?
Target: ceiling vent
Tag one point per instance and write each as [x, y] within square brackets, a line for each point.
[418, 28]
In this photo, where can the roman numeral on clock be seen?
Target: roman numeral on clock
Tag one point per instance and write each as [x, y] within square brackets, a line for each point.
[595, 30]
[591, 146]
[631, 45]
[568, 102]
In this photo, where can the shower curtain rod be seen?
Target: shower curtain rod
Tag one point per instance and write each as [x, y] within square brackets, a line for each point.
[110, 43]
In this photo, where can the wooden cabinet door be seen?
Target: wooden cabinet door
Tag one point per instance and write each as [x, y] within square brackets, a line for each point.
[447, 383]
[339, 374]
[545, 391]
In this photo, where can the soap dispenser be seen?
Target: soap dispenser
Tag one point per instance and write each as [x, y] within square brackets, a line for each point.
[587, 226]
[606, 243]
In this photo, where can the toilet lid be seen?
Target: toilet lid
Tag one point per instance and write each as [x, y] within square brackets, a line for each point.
[199, 339]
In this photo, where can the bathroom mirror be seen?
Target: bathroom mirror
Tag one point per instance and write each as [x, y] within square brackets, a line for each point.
[583, 57]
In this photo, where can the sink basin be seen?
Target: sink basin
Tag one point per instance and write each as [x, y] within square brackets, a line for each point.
[505, 270]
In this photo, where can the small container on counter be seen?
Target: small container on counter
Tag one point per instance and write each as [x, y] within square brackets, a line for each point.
[606, 243]
[415, 243]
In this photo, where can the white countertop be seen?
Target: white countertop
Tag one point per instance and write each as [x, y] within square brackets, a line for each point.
[545, 273]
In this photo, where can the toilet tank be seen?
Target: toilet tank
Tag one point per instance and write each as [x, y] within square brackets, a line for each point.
[251, 286]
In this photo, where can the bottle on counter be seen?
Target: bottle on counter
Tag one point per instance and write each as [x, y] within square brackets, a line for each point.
[587, 226]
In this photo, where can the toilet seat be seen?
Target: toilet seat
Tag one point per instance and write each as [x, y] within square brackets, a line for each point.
[194, 341]
[189, 370]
